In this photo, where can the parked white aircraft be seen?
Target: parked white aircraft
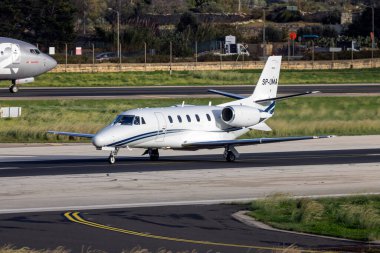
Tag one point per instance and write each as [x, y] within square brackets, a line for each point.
[189, 127]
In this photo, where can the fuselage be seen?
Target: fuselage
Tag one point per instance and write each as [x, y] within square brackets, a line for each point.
[21, 60]
[168, 127]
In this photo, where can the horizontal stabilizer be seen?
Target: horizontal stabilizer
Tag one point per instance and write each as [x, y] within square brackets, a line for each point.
[261, 127]
[289, 96]
[226, 94]
[245, 142]
[89, 136]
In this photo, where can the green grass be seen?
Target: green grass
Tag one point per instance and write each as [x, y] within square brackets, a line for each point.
[231, 77]
[354, 217]
[299, 116]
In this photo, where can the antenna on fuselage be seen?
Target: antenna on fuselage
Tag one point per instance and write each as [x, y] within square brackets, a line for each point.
[183, 103]
[209, 103]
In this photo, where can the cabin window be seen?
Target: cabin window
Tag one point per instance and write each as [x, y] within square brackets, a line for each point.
[188, 118]
[170, 119]
[136, 121]
[197, 117]
[143, 121]
[179, 119]
[208, 117]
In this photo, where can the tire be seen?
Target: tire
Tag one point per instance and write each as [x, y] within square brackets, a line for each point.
[13, 89]
[230, 157]
[112, 159]
[154, 157]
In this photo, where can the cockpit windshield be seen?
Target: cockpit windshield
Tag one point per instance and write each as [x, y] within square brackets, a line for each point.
[35, 51]
[127, 120]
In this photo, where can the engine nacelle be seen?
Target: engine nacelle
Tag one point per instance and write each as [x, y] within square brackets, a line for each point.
[25, 80]
[240, 116]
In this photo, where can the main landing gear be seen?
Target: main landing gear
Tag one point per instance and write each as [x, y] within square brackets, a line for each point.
[230, 154]
[153, 154]
[112, 157]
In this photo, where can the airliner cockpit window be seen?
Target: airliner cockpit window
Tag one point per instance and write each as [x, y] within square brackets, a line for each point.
[124, 120]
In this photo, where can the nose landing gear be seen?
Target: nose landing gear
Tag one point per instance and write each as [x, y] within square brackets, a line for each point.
[13, 88]
[112, 157]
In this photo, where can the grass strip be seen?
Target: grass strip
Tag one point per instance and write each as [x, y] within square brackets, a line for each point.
[298, 116]
[353, 217]
[228, 77]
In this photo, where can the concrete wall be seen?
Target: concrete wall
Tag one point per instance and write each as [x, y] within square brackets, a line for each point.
[300, 65]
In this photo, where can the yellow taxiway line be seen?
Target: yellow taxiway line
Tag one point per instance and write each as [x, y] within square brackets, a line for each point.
[76, 218]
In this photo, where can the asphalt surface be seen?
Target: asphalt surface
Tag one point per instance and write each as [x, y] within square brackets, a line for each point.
[26, 92]
[204, 228]
[194, 162]
[178, 228]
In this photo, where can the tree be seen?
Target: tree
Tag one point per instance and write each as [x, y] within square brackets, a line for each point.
[14, 18]
[187, 21]
[363, 26]
[53, 21]
[37, 21]
[273, 34]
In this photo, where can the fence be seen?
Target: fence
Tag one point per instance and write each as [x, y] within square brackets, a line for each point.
[226, 65]
[198, 52]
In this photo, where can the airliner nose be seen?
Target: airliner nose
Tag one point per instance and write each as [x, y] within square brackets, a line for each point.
[50, 63]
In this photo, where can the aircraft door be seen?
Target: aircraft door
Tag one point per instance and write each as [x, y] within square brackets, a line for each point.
[16, 53]
[161, 123]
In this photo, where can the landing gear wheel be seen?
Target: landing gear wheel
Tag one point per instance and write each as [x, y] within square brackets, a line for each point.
[153, 154]
[111, 159]
[230, 157]
[13, 89]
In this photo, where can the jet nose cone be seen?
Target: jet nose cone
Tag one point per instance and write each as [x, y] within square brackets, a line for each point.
[99, 141]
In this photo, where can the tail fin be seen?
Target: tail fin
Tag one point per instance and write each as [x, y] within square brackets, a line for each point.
[267, 85]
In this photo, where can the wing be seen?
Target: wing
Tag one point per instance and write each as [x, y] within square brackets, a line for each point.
[226, 94]
[285, 97]
[89, 136]
[245, 142]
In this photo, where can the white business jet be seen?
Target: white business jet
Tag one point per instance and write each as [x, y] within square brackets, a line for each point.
[190, 127]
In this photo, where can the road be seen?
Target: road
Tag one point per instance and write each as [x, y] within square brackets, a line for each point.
[179, 91]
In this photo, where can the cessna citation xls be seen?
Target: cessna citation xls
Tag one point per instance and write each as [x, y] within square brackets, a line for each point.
[20, 62]
[188, 127]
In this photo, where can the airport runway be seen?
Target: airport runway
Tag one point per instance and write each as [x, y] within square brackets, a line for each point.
[187, 163]
[180, 91]
[162, 204]
[204, 228]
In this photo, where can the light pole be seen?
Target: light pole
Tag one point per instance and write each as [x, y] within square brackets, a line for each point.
[373, 32]
[264, 42]
[118, 31]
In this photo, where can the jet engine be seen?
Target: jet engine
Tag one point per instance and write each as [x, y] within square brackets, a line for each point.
[25, 80]
[240, 116]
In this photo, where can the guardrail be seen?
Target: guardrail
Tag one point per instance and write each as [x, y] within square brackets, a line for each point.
[191, 66]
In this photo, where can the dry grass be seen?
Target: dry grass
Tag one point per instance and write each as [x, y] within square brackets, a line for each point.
[12, 249]
[137, 249]
[300, 116]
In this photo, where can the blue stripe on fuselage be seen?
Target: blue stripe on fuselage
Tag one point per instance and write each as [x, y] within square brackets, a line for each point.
[161, 132]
